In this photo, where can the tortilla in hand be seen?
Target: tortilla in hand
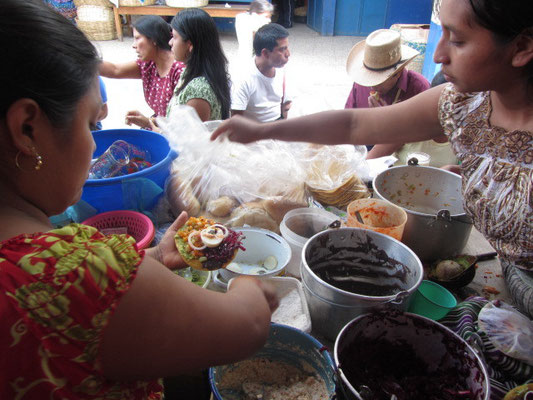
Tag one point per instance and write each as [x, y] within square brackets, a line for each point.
[206, 245]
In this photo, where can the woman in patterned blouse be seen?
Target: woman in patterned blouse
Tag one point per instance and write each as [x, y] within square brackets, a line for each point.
[155, 66]
[486, 111]
[84, 315]
[204, 84]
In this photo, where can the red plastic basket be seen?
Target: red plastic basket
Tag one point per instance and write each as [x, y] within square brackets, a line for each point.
[131, 222]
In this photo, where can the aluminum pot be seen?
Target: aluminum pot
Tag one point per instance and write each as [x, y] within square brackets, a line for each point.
[385, 271]
[399, 335]
[437, 226]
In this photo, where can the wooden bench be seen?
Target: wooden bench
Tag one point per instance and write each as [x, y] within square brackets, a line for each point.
[214, 10]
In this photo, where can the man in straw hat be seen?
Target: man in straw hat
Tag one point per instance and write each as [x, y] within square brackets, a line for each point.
[377, 66]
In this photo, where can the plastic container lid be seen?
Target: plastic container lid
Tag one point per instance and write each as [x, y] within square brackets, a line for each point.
[298, 226]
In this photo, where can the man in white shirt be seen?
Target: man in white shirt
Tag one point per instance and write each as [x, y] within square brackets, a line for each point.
[260, 92]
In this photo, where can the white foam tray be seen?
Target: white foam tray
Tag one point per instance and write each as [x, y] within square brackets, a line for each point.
[284, 285]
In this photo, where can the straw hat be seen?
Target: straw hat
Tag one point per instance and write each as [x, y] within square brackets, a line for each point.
[374, 60]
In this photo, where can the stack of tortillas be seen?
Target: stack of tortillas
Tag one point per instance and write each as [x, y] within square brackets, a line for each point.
[333, 183]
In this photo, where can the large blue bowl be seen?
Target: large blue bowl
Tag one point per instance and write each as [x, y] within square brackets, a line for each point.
[131, 191]
[292, 346]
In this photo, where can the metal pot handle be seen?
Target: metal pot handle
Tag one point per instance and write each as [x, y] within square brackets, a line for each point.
[337, 374]
[399, 298]
[412, 161]
[335, 224]
[444, 215]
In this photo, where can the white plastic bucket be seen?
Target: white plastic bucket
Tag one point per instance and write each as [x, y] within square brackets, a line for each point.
[297, 227]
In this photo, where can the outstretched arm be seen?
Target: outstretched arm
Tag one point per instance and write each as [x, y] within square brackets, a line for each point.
[412, 120]
[128, 70]
[382, 150]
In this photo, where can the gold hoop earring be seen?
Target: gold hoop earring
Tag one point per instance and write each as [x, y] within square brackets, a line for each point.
[38, 160]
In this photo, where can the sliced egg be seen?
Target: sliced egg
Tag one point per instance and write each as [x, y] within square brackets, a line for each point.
[270, 262]
[234, 267]
[212, 236]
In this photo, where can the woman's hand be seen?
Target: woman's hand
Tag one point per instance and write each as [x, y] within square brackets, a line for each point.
[269, 291]
[166, 252]
[239, 129]
[137, 118]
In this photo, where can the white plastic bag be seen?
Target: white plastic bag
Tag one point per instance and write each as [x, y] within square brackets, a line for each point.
[233, 183]
[508, 330]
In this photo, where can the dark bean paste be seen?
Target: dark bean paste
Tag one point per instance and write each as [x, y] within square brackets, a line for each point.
[395, 370]
[362, 268]
[379, 368]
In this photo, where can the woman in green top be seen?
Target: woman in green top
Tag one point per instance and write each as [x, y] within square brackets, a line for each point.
[204, 84]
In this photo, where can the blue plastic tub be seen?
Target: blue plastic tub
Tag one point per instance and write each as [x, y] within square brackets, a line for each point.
[139, 191]
[292, 346]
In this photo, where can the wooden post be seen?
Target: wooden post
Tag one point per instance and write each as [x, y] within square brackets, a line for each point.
[118, 23]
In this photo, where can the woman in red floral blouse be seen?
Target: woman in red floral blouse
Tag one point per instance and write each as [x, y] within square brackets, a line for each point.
[155, 65]
[84, 315]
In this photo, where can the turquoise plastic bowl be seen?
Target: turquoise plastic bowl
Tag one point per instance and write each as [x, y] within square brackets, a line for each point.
[431, 300]
[120, 192]
[292, 346]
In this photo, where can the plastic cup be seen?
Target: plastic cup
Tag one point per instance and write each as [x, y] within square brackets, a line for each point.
[111, 161]
[431, 300]
[377, 215]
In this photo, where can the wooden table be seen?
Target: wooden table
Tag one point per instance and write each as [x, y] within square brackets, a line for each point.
[214, 10]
